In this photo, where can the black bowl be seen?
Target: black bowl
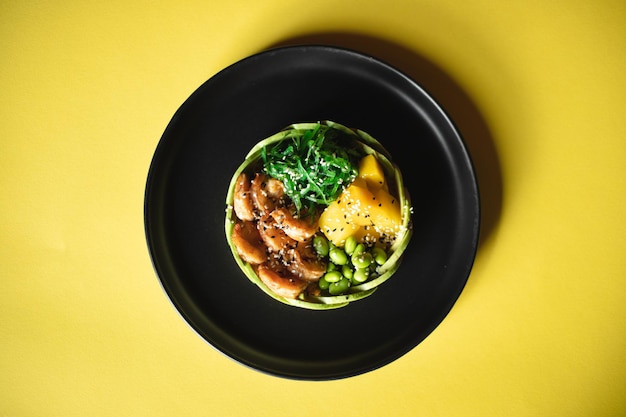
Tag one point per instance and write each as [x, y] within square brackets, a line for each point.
[206, 141]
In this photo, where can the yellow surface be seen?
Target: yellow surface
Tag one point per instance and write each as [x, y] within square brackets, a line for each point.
[539, 92]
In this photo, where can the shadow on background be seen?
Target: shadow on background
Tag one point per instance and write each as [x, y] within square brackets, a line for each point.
[450, 96]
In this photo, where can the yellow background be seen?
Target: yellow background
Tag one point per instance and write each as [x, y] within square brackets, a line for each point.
[87, 89]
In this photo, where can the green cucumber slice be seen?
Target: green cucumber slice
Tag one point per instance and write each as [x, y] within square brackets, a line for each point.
[344, 298]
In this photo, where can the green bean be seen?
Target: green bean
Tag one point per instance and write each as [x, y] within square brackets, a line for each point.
[331, 267]
[338, 256]
[350, 245]
[380, 256]
[320, 243]
[339, 287]
[333, 276]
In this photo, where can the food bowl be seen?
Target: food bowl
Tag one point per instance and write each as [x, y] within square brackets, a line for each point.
[364, 209]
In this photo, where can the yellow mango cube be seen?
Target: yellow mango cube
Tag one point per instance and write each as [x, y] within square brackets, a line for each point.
[336, 223]
[371, 171]
[365, 210]
[357, 201]
[385, 212]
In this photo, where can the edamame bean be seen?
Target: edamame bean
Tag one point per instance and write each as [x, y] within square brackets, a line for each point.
[339, 287]
[360, 275]
[338, 256]
[362, 260]
[320, 243]
[360, 248]
[350, 245]
[347, 271]
[323, 284]
[379, 254]
[333, 276]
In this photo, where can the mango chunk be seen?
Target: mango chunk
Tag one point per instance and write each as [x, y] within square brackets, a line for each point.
[336, 224]
[371, 171]
[385, 212]
[365, 210]
[376, 208]
[357, 201]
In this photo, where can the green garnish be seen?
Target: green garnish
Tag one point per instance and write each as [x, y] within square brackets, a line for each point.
[315, 167]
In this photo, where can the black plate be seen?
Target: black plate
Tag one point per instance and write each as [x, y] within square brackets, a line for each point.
[206, 141]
